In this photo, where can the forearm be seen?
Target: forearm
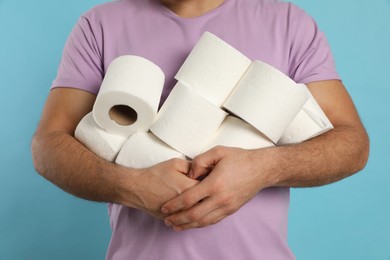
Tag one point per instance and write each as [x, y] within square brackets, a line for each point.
[61, 159]
[237, 175]
[64, 161]
[325, 159]
[234, 175]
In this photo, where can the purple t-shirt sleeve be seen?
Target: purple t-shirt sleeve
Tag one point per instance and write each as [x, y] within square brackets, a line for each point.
[310, 55]
[81, 64]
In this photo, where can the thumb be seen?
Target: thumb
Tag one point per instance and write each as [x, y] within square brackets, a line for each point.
[204, 163]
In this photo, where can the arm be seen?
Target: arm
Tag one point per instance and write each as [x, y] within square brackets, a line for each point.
[239, 174]
[332, 156]
[61, 159]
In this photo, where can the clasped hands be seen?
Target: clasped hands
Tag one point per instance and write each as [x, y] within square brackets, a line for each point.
[229, 180]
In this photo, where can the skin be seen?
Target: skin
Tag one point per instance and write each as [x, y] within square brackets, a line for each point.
[84, 174]
[61, 159]
[319, 161]
[164, 191]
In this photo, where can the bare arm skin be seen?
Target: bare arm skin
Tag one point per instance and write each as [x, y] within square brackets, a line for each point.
[61, 159]
[237, 174]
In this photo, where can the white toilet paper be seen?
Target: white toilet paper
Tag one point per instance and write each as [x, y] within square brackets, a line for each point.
[143, 150]
[102, 143]
[131, 86]
[267, 99]
[311, 121]
[187, 121]
[213, 68]
[313, 109]
[234, 132]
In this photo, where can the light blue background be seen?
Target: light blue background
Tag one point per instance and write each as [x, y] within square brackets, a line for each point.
[346, 220]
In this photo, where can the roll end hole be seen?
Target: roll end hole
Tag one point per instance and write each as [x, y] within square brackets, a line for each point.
[123, 115]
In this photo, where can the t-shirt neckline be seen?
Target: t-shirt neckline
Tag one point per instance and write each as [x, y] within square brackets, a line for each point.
[184, 19]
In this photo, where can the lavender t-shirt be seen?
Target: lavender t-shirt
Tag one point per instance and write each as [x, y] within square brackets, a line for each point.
[277, 33]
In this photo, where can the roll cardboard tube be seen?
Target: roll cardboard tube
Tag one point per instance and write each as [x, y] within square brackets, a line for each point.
[129, 96]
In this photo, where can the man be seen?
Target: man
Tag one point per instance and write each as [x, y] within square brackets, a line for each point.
[252, 184]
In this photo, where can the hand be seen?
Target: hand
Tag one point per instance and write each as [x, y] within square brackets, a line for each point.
[231, 183]
[158, 184]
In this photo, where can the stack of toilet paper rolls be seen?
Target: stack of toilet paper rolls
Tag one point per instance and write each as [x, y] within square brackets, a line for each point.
[117, 129]
[221, 98]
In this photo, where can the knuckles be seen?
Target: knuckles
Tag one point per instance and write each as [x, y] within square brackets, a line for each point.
[198, 162]
[176, 162]
[226, 200]
[218, 187]
[188, 200]
[221, 151]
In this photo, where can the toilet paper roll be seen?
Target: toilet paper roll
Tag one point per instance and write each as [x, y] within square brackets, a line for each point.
[143, 150]
[213, 68]
[267, 99]
[129, 95]
[234, 132]
[310, 122]
[102, 143]
[187, 121]
[313, 109]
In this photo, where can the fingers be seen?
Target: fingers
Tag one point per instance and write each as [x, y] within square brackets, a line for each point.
[182, 166]
[185, 200]
[196, 212]
[208, 212]
[204, 163]
[210, 219]
[212, 199]
[193, 216]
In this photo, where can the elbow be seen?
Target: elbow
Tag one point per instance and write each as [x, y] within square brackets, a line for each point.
[363, 152]
[36, 153]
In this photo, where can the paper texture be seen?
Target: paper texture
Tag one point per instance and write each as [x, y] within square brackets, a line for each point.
[135, 83]
[311, 121]
[102, 143]
[144, 150]
[234, 132]
[267, 99]
[213, 68]
[187, 121]
[268, 107]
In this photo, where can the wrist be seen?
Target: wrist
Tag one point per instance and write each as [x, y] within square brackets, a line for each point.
[266, 163]
[125, 183]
